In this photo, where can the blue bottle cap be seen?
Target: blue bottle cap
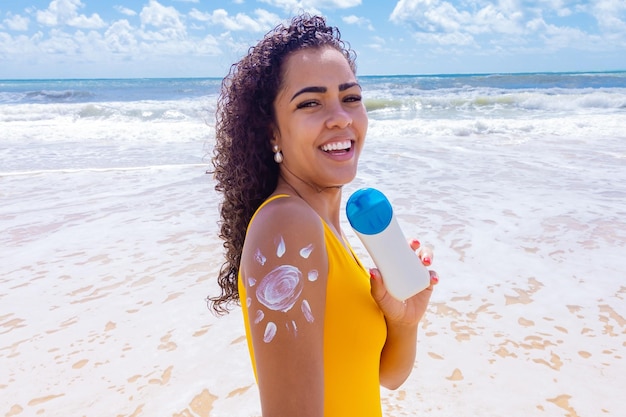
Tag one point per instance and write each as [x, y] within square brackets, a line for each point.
[368, 211]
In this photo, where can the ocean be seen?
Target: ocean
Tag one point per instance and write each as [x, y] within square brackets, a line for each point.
[108, 243]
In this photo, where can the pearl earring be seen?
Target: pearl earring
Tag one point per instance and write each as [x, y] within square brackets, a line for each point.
[278, 155]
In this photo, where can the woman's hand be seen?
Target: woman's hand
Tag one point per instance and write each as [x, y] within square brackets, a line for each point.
[402, 317]
[411, 311]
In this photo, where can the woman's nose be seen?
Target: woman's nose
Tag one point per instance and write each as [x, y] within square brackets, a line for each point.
[338, 117]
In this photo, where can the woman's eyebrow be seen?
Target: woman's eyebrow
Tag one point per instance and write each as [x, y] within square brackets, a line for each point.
[309, 90]
[345, 86]
[313, 89]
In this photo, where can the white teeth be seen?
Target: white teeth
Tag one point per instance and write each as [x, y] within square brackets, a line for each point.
[335, 146]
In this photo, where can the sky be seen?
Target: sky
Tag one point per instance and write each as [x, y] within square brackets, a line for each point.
[202, 38]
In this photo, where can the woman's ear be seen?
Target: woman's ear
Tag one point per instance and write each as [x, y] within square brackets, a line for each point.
[274, 134]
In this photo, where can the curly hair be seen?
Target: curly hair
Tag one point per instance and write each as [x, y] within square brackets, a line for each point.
[244, 168]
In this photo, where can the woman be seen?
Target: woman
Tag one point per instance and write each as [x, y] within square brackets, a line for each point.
[323, 333]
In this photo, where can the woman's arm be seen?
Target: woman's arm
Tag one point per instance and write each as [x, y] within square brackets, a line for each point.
[398, 355]
[402, 318]
[284, 268]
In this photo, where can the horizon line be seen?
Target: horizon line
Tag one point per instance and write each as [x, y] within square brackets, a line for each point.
[460, 74]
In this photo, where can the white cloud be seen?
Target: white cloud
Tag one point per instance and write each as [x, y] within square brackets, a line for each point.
[514, 27]
[125, 11]
[291, 6]
[166, 19]
[359, 21]
[267, 18]
[262, 22]
[559, 7]
[611, 15]
[16, 22]
[334, 4]
[494, 19]
[311, 6]
[161, 32]
[505, 22]
[58, 43]
[445, 17]
[378, 43]
[435, 16]
[556, 38]
[65, 12]
[120, 37]
[151, 42]
[208, 46]
[200, 16]
[19, 46]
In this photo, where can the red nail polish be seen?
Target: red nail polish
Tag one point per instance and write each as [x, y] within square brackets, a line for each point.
[435, 279]
[426, 260]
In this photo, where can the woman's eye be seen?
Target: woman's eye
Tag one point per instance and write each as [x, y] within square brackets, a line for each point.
[352, 99]
[308, 103]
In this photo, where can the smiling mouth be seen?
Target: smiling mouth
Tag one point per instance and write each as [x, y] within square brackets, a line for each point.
[337, 147]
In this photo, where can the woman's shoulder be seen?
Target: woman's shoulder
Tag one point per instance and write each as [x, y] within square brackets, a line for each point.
[286, 213]
[285, 232]
[287, 227]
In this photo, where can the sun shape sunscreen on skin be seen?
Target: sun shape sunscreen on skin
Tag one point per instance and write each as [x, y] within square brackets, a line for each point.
[371, 216]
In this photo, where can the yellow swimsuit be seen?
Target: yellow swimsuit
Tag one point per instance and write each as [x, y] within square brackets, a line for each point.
[354, 334]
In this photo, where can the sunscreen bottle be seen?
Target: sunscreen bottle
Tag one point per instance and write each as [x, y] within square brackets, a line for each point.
[371, 216]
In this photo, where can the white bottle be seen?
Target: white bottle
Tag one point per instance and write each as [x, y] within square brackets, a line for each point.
[371, 216]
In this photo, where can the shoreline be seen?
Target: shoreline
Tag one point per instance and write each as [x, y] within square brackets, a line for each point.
[102, 302]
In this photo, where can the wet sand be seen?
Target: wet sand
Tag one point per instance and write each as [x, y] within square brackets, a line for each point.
[102, 312]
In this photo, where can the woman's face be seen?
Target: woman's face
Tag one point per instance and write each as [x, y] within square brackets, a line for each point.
[321, 120]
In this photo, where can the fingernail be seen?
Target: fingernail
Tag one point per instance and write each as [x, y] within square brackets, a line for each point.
[372, 275]
[434, 280]
[426, 260]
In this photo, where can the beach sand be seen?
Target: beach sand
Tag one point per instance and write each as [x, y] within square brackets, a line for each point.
[104, 275]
